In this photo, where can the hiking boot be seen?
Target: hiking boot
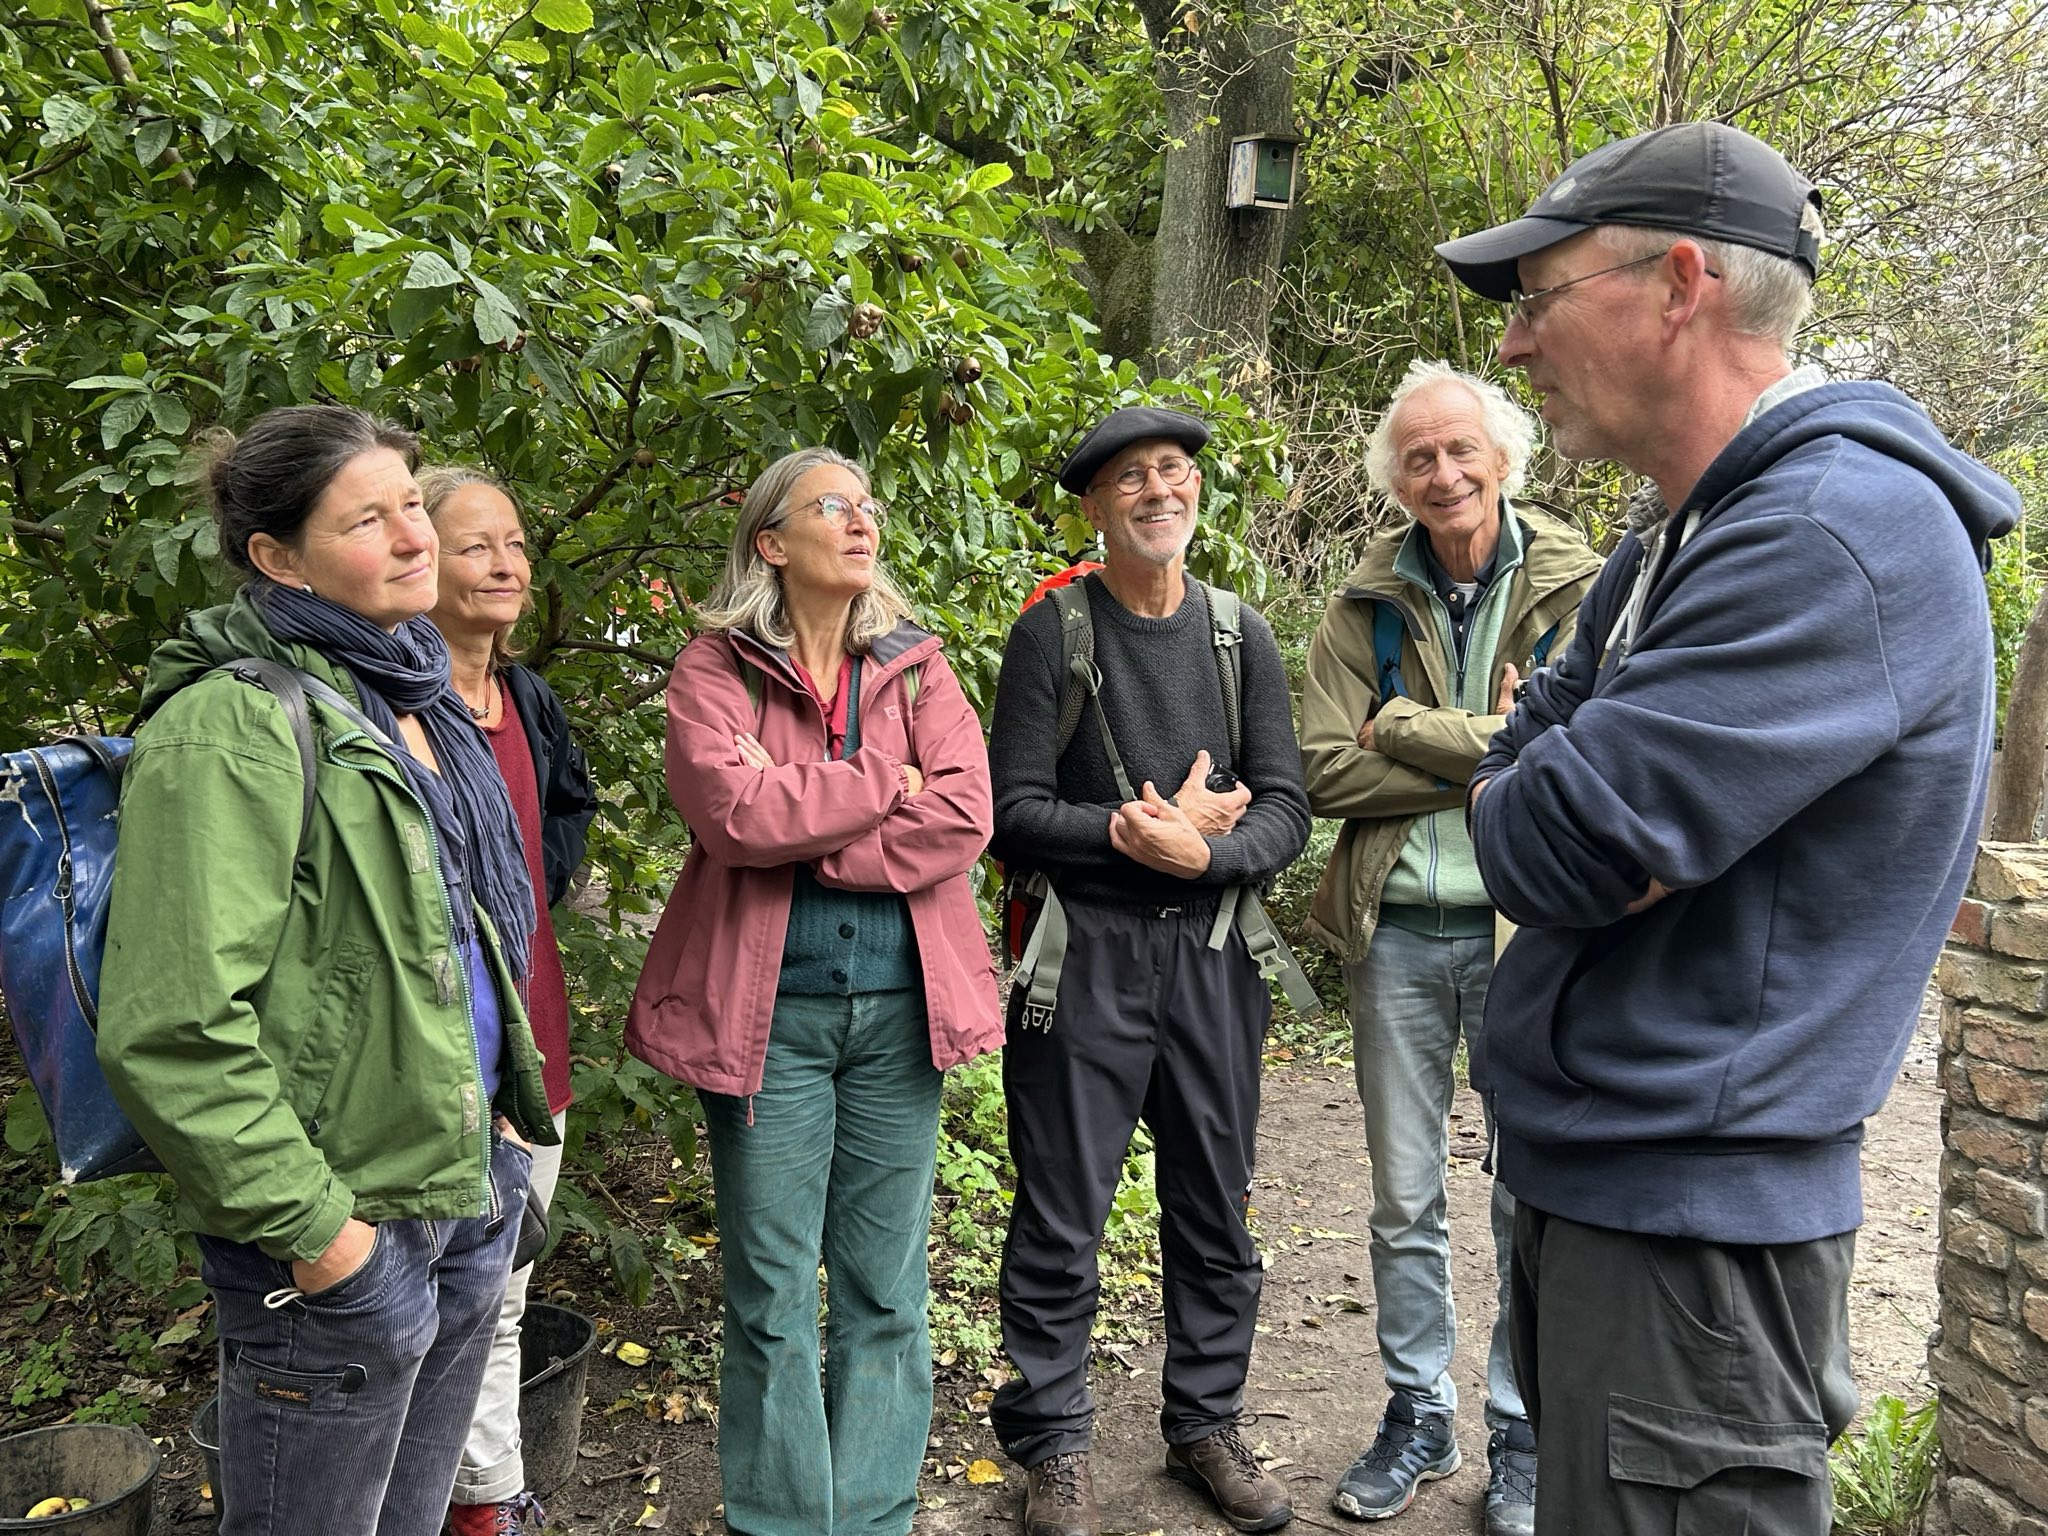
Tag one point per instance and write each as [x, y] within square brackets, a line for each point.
[1223, 1466]
[1409, 1449]
[513, 1517]
[1511, 1480]
[1059, 1497]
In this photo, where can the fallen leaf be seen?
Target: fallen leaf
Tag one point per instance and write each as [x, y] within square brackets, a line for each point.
[652, 1486]
[651, 1519]
[629, 1353]
[984, 1471]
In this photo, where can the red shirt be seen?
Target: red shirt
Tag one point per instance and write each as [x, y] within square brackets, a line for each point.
[547, 991]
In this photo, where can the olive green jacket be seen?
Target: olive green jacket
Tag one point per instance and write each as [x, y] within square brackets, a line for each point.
[1423, 754]
[291, 1036]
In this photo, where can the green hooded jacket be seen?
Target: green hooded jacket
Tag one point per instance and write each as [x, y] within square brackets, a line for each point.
[1425, 745]
[291, 1037]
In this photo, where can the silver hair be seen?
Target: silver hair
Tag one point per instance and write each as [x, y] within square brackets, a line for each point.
[1768, 296]
[1512, 429]
[748, 596]
[437, 482]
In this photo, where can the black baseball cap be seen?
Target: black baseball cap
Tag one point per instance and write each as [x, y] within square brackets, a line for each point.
[1118, 430]
[1704, 179]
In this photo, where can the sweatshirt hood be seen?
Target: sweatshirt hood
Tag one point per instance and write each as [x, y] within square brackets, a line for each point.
[1881, 419]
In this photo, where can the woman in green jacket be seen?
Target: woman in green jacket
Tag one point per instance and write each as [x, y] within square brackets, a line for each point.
[315, 1022]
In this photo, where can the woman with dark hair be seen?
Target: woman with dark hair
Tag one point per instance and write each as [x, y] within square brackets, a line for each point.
[485, 589]
[314, 1018]
[820, 963]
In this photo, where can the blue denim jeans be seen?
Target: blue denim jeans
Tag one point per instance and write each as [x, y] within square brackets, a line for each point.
[1410, 996]
[344, 1412]
[832, 1160]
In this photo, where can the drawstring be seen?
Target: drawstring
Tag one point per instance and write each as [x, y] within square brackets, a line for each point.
[283, 1296]
[1647, 572]
[750, 1109]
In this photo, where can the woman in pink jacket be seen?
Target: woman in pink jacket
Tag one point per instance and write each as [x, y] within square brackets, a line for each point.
[819, 965]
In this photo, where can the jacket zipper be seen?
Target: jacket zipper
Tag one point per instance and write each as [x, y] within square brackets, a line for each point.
[461, 968]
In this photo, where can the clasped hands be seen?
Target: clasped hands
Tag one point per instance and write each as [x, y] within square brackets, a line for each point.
[1172, 836]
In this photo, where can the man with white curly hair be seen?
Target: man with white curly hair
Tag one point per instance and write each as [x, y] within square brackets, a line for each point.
[1411, 672]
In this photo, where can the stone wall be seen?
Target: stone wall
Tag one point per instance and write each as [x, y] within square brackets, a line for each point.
[1989, 1358]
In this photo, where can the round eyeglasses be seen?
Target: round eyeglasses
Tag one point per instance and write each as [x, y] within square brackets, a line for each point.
[1173, 470]
[837, 509]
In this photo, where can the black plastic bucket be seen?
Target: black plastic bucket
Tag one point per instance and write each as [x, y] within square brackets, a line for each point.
[205, 1434]
[554, 1360]
[111, 1464]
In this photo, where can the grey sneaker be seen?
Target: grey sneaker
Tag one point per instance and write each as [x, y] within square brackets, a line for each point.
[1409, 1450]
[1511, 1480]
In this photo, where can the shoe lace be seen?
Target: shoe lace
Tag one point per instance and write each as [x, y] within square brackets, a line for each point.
[1062, 1476]
[1514, 1474]
[1243, 1459]
[1396, 1445]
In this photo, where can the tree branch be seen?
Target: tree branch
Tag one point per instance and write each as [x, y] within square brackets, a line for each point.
[131, 89]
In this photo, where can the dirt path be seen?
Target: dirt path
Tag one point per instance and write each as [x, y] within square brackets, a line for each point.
[1315, 1382]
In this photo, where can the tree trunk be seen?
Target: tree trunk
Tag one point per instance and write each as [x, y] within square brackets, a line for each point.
[1215, 271]
[2016, 786]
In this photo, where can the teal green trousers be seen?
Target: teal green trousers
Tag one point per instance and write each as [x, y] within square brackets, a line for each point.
[831, 1161]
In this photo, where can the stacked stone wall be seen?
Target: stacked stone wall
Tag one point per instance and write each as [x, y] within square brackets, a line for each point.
[1989, 1358]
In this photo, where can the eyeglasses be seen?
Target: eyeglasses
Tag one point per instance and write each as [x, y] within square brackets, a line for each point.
[836, 509]
[1173, 470]
[1524, 304]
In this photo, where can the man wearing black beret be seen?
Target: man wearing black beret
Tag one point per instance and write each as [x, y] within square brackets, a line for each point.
[1142, 988]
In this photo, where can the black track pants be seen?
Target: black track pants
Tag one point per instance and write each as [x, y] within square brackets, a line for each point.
[1150, 1024]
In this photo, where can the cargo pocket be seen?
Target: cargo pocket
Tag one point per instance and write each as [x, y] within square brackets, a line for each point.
[1705, 1474]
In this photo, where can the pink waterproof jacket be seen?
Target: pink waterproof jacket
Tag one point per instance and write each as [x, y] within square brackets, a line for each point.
[707, 991]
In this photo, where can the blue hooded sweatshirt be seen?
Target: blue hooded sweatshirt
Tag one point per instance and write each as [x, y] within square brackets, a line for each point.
[1791, 733]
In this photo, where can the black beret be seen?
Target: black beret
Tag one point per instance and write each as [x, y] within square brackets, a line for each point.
[1121, 428]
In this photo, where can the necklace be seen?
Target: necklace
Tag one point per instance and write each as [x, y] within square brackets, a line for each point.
[490, 702]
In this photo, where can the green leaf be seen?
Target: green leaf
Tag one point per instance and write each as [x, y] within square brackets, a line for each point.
[719, 342]
[170, 415]
[604, 140]
[630, 1267]
[1038, 165]
[637, 80]
[151, 140]
[28, 1129]
[827, 320]
[496, 320]
[165, 548]
[582, 222]
[66, 117]
[847, 18]
[122, 417]
[564, 15]
[524, 50]
[430, 269]
[809, 94]
[987, 178]
[410, 309]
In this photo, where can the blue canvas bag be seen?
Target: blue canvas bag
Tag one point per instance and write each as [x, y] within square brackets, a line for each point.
[59, 807]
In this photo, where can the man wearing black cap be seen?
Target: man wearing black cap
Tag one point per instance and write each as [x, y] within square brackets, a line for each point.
[1140, 994]
[1734, 822]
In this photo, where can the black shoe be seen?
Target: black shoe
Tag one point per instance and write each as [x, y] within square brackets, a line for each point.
[1511, 1480]
[1059, 1497]
[1409, 1450]
[1223, 1466]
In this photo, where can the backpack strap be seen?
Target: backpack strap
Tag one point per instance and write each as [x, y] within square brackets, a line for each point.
[1077, 643]
[288, 683]
[293, 687]
[1388, 627]
[1226, 632]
